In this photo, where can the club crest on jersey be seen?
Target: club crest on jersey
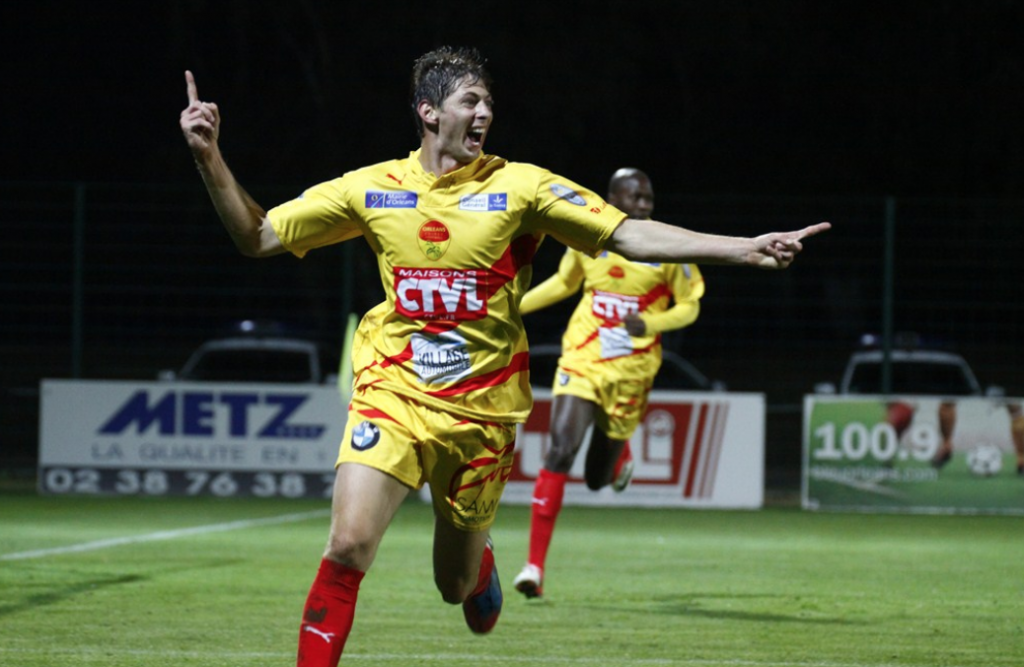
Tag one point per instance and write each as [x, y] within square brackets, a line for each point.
[434, 239]
[617, 272]
[365, 436]
[391, 199]
[484, 202]
[568, 194]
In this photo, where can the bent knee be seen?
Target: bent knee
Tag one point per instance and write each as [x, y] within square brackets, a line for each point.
[561, 456]
[351, 551]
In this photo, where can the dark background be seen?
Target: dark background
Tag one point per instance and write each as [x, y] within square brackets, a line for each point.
[915, 97]
[748, 116]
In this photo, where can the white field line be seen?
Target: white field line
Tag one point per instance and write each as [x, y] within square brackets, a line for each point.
[451, 658]
[166, 535]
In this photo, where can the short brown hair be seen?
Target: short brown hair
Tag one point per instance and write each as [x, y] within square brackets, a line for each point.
[436, 75]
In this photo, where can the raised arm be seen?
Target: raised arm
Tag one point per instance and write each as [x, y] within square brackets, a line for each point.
[651, 241]
[245, 220]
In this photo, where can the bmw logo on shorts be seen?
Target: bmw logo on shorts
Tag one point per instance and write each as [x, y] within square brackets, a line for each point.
[364, 436]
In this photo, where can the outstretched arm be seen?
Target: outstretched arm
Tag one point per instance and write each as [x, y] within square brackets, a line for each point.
[244, 219]
[650, 241]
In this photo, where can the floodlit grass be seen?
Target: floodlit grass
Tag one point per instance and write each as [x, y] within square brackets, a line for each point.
[774, 588]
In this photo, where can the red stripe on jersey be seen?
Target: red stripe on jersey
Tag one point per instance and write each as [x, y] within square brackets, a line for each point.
[520, 363]
[657, 292]
[589, 339]
[406, 354]
[377, 414]
[518, 254]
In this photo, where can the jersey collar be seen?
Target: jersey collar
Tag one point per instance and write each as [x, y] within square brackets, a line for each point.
[478, 168]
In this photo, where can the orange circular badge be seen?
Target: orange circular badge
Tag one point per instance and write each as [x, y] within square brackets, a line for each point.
[617, 272]
[434, 238]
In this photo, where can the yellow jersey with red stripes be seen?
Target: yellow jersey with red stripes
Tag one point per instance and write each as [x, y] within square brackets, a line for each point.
[664, 296]
[455, 256]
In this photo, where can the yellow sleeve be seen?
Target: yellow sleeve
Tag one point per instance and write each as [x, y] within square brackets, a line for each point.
[322, 216]
[571, 214]
[687, 289]
[566, 282]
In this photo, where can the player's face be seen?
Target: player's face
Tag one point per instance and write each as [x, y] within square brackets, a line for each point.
[634, 197]
[463, 121]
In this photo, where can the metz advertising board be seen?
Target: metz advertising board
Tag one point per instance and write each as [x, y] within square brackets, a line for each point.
[884, 454]
[700, 450]
[132, 438]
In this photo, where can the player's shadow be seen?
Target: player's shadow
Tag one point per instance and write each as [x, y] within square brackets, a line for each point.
[34, 602]
[69, 590]
[695, 604]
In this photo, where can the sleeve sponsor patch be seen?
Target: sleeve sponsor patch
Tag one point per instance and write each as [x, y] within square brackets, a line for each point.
[391, 199]
[568, 194]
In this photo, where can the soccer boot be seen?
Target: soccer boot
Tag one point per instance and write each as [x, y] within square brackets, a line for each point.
[528, 582]
[482, 609]
[623, 470]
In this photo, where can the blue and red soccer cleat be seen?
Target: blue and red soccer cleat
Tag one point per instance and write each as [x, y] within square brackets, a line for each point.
[482, 609]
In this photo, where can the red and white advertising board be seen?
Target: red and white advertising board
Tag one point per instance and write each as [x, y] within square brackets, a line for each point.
[699, 450]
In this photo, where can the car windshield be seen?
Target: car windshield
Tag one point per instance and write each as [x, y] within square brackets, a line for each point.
[912, 377]
[252, 366]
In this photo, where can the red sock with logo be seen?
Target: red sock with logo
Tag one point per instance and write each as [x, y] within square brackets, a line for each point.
[328, 614]
[547, 503]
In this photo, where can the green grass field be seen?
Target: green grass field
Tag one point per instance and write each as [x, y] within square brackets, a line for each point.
[122, 581]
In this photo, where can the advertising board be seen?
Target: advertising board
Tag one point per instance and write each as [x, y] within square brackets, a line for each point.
[913, 454]
[699, 450]
[157, 438]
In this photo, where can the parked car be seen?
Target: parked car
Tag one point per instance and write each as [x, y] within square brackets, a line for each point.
[259, 352]
[676, 372]
[916, 369]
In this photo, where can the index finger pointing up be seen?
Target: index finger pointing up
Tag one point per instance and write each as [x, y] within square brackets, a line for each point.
[190, 85]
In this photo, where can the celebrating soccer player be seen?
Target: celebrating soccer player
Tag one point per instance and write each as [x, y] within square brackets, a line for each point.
[440, 367]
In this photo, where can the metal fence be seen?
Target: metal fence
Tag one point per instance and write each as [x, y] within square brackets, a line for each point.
[121, 281]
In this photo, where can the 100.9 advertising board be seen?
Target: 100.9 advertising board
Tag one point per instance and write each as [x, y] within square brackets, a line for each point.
[913, 454]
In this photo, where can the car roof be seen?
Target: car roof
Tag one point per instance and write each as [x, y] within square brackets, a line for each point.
[939, 356]
[940, 372]
[259, 342]
[246, 358]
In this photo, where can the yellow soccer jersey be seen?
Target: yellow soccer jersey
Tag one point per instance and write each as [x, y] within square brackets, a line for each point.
[613, 288]
[455, 256]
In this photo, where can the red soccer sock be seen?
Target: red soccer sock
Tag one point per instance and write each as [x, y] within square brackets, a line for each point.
[328, 614]
[547, 503]
[624, 456]
[486, 567]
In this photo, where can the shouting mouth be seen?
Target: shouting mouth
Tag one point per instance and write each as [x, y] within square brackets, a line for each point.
[475, 137]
